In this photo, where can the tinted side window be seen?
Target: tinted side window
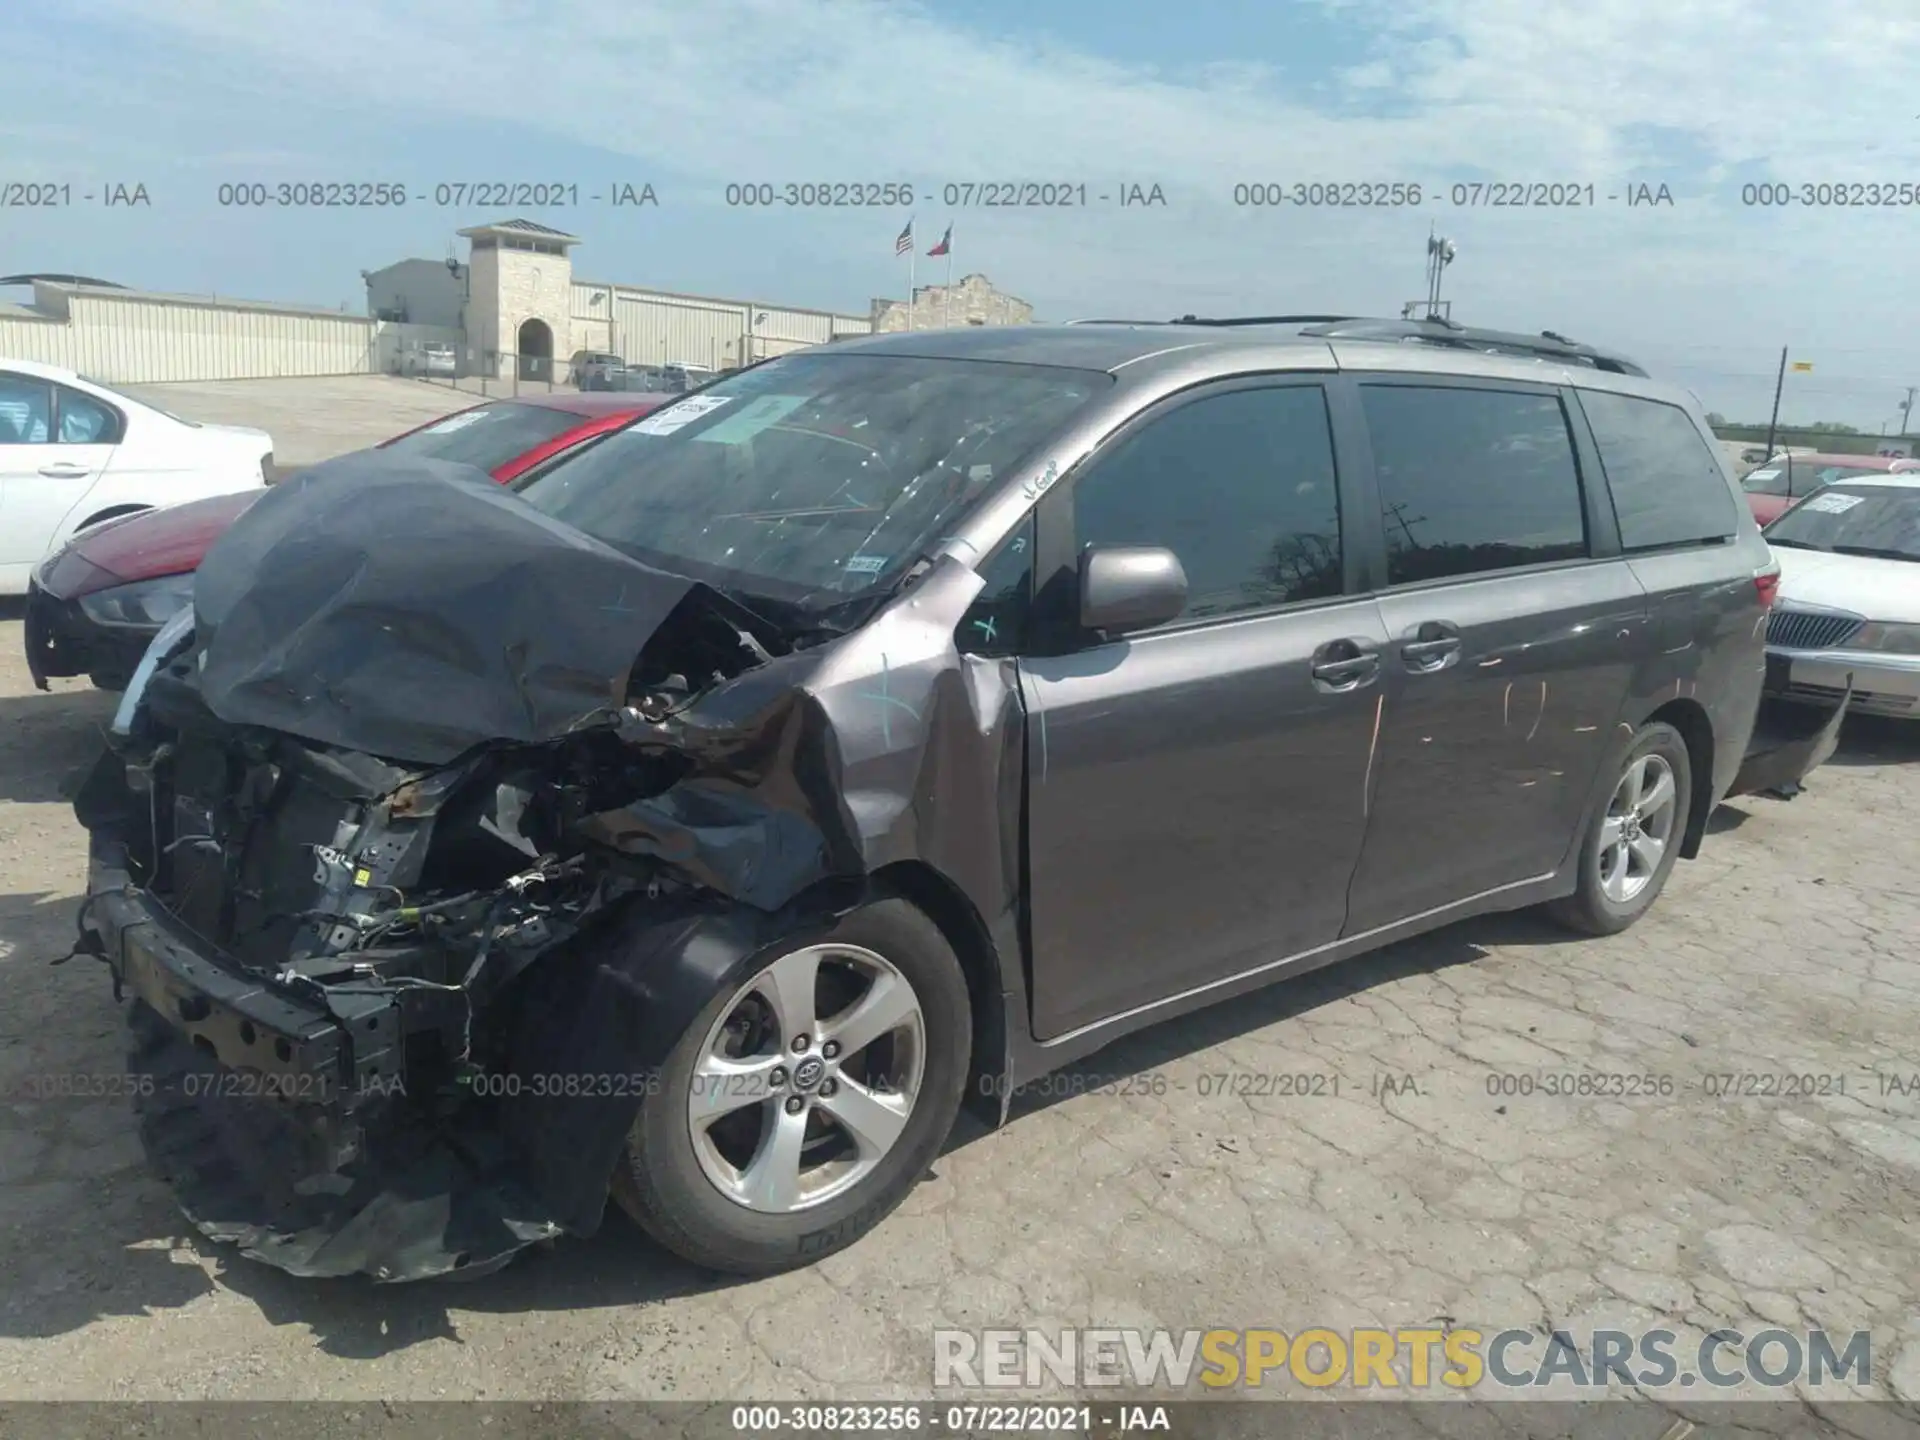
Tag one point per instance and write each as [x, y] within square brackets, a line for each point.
[996, 622]
[1667, 486]
[26, 411]
[1240, 486]
[85, 421]
[1472, 480]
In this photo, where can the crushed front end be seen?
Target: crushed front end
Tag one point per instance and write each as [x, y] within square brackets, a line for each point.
[422, 839]
[316, 943]
[341, 863]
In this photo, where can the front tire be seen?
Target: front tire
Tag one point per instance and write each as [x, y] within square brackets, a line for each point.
[799, 1109]
[1632, 843]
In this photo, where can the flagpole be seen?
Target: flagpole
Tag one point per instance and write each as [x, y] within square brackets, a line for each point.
[912, 252]
[946, 308]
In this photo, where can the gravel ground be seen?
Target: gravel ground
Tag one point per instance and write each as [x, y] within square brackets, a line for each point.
[313, 419]
[1413, 1196]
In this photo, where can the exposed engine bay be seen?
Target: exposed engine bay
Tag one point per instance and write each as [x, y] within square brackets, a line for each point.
[403, 971]
[402, 905]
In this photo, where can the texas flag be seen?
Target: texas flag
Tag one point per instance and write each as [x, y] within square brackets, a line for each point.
[946, 244]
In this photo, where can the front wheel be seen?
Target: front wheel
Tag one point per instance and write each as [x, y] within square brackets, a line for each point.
[798, 1109]
[1632, 843]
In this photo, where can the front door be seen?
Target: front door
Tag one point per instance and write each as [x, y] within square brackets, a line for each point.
[1512, 643]
[1196, 794]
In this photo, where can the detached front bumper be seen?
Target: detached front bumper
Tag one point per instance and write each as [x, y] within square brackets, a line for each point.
[280, 1118]
[61, 639]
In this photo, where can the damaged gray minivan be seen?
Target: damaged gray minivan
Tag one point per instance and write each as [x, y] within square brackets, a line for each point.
[876, 728]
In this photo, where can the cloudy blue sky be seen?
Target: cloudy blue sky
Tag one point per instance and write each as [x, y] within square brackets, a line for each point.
[1704, 96]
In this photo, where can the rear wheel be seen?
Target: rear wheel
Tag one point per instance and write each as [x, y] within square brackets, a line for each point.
[1631, 845]
[800, 1108]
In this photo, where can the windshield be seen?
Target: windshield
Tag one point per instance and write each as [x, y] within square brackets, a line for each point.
[812, 478]
[1854, 520]
[488, 435]
[1806, 478]
[1809, 481]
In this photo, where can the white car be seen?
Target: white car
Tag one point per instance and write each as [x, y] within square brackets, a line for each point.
[74, 453]
[1849, 598]
[431, 358]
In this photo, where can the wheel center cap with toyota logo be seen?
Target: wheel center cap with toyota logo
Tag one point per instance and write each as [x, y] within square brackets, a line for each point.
[807, 1073]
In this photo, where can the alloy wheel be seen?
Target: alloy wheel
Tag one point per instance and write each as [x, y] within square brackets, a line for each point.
[808, 1078]
[1638, 827]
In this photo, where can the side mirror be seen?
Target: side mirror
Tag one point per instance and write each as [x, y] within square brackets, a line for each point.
[1127, 588]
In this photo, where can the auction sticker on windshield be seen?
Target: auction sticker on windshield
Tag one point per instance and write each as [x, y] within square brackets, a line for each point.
[455, 422]
[680, 414]
[1832, 504]
[750, 419]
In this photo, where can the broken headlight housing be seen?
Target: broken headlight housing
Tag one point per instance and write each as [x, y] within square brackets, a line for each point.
[141, 605]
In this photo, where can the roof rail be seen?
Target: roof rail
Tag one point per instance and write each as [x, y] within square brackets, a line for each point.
[1547, 345]
[1434, 330]
[1262, 320]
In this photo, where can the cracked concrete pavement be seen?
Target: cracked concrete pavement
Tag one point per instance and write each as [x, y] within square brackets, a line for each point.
[1182, 1178]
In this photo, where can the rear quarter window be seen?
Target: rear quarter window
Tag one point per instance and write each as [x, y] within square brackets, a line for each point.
[1667, 485]
[1472, 480]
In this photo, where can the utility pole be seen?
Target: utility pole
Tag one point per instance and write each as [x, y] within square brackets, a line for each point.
[1399, 514]
[1906, 410]
[1780, 380]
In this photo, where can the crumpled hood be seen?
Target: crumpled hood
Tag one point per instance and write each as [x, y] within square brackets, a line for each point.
[412, 609]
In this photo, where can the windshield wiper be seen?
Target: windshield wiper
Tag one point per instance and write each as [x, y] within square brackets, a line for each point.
[755, 608]
[1875, 552]
[811, 512]
[793, 622]
[1795, 544]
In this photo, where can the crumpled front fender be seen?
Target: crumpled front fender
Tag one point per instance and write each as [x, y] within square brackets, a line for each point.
[592, 1039]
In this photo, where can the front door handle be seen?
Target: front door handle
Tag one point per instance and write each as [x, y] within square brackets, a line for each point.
[1429, 646]
[1341, 665]
[62, 470]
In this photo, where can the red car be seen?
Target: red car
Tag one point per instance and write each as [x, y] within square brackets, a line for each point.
[1782, 482]
[94, 605]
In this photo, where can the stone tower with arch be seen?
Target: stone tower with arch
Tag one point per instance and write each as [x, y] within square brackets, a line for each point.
[520, 299]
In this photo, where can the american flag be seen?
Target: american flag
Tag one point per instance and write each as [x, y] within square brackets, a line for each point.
[905, 243]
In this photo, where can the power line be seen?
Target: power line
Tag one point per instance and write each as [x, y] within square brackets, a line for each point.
[1816, 349]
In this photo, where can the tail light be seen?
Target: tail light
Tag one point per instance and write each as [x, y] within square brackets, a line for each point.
[1766, 586]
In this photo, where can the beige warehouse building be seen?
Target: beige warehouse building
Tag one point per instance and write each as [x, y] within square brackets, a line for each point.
[512, 309]
[519, 308]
